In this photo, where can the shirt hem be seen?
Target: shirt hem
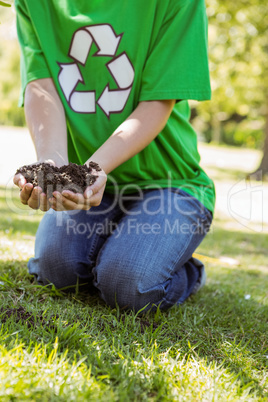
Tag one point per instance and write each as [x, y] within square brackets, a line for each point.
[178, 95]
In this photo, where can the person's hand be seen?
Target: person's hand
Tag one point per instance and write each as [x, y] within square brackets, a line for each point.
[35, 198]
[92, 196]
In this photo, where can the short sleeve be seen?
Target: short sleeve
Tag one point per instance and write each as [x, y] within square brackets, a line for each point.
[33, 63]
[177, 64]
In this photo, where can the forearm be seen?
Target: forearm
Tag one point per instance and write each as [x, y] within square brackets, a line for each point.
[45, 119]
[134, 134]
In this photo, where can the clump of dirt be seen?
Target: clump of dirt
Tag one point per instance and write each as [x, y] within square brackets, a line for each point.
[51, 178]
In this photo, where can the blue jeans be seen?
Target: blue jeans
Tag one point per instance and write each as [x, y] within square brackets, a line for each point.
[136, 250]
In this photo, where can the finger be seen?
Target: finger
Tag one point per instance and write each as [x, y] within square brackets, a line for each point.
[70, 205]
[100, 182]
[95, 199]
[56, 205]
[87, 203]
[55, 202]
[44, 204]
[26, 193]
[95, 193]
[88, 193]
[61, 203]
[95, 187]
[19, 180]
[34, 200]
[71, 201]
[77, 198]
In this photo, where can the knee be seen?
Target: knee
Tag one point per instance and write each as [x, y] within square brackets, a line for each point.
[123, 283]
[52, 264]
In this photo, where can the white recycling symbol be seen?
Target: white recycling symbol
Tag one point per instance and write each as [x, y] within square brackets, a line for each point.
[120, 68]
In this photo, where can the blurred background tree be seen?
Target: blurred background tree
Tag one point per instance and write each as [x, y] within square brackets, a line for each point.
[238, 47]
[10, 113]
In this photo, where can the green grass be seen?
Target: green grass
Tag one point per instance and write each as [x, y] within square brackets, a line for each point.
[75, 348]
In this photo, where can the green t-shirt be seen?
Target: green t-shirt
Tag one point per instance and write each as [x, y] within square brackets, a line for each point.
[105, 57]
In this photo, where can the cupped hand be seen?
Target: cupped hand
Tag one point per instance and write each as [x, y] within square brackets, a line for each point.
[32, 196]
[92, 196]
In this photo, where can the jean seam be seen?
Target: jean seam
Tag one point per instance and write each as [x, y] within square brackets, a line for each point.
[94, 242]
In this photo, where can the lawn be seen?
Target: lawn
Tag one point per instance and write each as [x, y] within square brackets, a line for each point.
[75, 348]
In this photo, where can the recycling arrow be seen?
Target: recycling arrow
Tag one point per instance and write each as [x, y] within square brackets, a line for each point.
[83, 102]
[120, 68]
[80, 46]
[104, 37]
[122, 71]
[69, 77]
[113, 101]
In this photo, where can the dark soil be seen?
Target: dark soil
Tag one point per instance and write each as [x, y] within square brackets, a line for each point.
[144, 324]
[68, 177]
[21, 315]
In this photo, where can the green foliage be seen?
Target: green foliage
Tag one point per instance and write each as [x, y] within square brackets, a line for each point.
[241, 134]
[10, 113]
[238, 38]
